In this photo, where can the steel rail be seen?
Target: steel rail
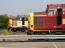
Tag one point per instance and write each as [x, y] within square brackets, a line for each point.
[32, 36]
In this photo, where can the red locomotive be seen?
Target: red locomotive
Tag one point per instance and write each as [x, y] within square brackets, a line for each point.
[53, 20]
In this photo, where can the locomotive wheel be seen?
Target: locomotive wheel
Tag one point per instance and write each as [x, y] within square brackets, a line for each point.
[41, 33]
[14, 30]
[59, 33]
[30, 33]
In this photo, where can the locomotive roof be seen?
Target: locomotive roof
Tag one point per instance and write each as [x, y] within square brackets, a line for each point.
[56, 5]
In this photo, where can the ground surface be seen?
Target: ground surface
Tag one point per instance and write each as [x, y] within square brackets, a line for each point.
[29, 44]
[32, 44]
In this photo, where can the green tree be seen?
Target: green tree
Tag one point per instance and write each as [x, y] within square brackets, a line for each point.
[4, 21]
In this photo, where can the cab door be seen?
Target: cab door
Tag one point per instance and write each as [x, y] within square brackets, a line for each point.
[59, 17]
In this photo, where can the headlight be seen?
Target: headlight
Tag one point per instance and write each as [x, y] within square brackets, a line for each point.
[32, 26]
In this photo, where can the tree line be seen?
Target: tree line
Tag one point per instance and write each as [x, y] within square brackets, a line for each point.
[4, 21]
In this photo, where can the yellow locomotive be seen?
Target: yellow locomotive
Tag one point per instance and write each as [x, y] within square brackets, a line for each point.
[19, 23]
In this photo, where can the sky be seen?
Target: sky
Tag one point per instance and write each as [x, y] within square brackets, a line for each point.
[24, 7]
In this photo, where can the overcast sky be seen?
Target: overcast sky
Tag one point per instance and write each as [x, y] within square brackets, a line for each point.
[21, 7]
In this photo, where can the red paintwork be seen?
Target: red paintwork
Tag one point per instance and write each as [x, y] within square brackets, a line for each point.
[50, 21]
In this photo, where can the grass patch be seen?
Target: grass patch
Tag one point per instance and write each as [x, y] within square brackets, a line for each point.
[17, 33]
[4, 32]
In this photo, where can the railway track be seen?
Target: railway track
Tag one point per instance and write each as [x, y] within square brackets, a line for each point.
[33, 38]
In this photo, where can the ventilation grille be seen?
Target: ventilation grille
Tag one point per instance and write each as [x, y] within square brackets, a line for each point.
[36, 20]
[40, 21]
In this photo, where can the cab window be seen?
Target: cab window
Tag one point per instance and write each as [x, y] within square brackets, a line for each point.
[51, 13]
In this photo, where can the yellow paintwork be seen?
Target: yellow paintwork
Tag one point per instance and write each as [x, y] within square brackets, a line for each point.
[63, 21]
[31, 22]
[48, 30]
[10, 23]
